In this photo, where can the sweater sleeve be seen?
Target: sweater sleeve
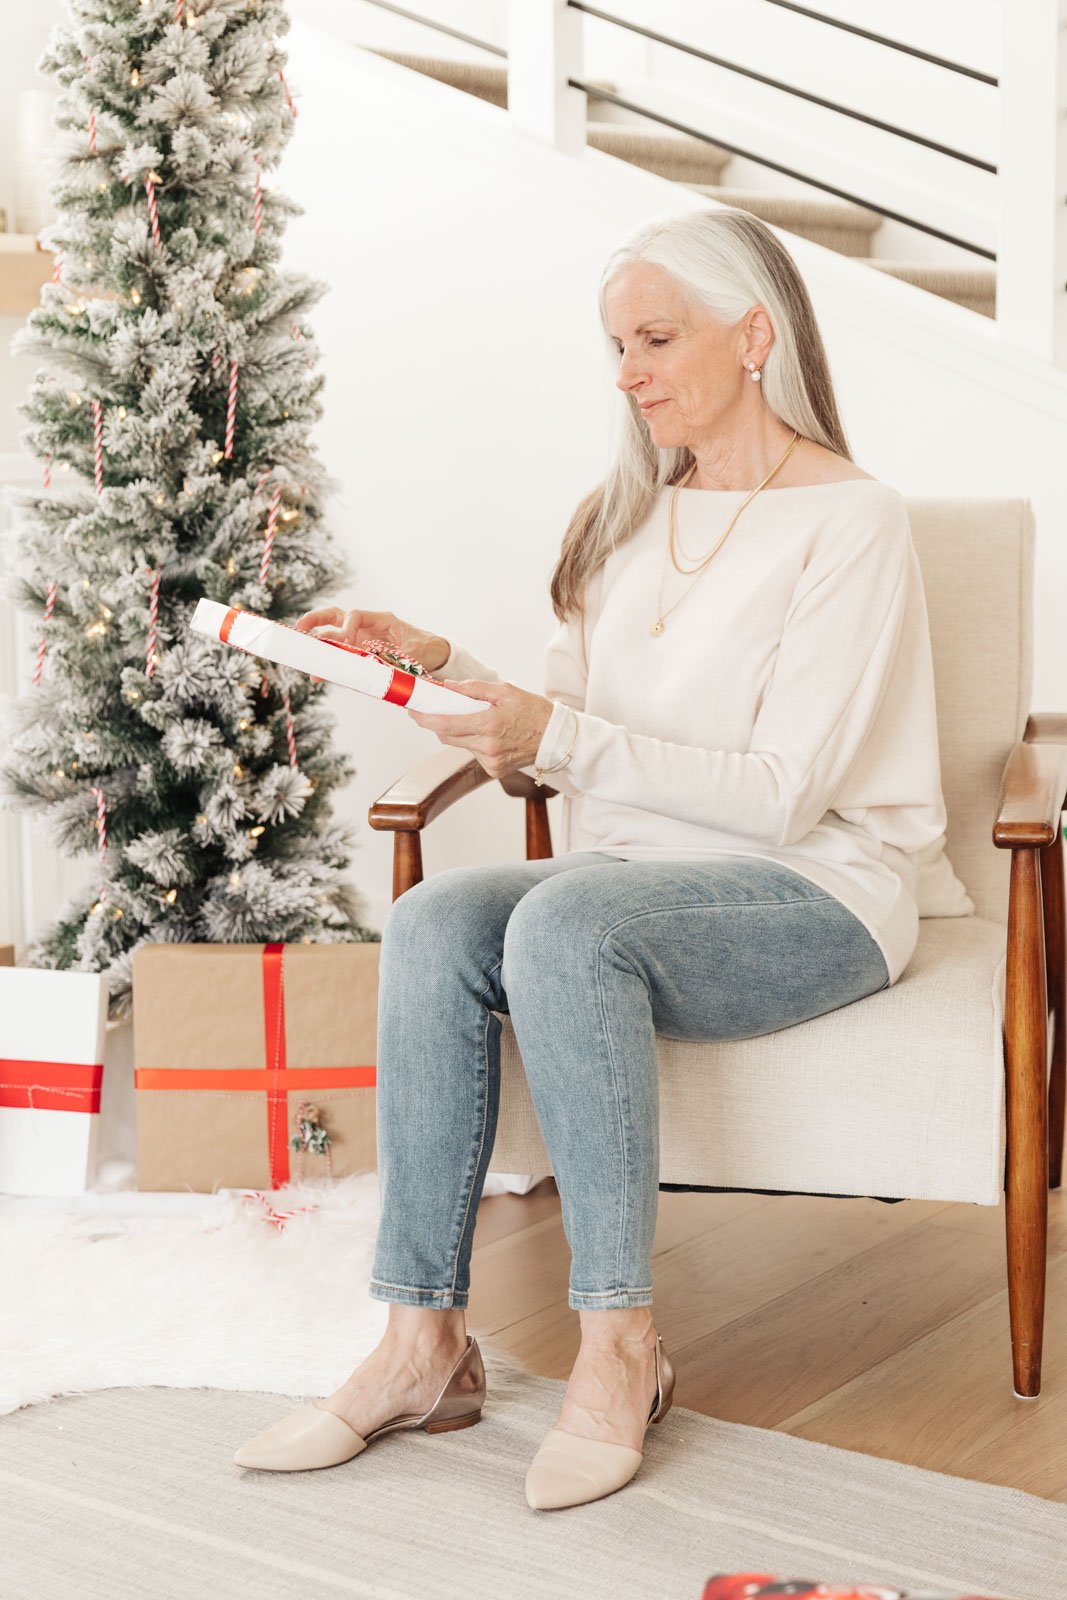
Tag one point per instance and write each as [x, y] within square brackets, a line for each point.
[830, 674]
[461, 664]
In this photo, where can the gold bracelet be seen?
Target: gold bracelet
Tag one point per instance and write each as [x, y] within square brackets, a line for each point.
[538, 771]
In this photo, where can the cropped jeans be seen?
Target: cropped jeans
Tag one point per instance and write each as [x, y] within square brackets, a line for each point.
[592, 955]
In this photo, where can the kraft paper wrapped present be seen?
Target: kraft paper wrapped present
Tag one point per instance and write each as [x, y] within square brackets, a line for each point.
[53, 1027]
[239, 1049]
[7, 955]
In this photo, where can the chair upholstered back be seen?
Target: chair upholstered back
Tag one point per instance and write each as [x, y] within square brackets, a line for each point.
[977, 563]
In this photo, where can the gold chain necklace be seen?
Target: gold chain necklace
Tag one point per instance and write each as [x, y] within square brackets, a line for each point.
[657, 626]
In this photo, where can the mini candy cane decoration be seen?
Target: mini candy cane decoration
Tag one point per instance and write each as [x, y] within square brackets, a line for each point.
[153, 624]
[268, 538]
[150, 181]
[288, 96]
[231, 409]
[92, 131]
[179, 7]
[101, 831]
[98, 445]
[57, 266]
[46, 474]
[49, 607]
[290, 731]
[269, 1212]
[216, 358]
[257, 201]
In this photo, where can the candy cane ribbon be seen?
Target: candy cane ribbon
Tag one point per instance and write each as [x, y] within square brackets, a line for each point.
[49, 607]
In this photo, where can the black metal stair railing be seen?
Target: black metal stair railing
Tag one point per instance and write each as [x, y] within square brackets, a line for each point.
[838, 107]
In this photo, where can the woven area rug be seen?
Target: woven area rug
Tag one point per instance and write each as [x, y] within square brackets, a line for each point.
[170, 1337]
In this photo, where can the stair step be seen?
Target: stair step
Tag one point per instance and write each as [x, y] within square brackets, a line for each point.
[669, 155]
[837, 224]
[480, 78]
[973, 287]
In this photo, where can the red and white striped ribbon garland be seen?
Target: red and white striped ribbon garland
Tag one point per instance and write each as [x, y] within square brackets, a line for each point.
[46, 471]
[153, 214]
[98, 445]
[49, 607]
[268, 537]
[288, 96]
[231, 409]
[290, 730]
[153, 623]
[257, 200]
[298, 334]
[92, 131]
[179, 7]
[101, 831]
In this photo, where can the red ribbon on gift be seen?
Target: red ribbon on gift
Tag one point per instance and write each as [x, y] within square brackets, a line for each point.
[401, 684]
[50, 1085]
[276, 1077]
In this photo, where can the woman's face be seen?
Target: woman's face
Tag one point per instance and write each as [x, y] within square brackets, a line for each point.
[674, 357]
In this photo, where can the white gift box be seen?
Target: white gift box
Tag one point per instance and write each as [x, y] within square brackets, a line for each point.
[345, 664]
[53, 1030]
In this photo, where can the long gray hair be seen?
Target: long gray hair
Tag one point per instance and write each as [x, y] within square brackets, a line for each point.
[727, 261]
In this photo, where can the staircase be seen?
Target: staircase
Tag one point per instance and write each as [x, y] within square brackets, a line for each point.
[837, 224]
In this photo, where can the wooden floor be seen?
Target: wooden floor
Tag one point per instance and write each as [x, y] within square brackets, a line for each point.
[877, 1328]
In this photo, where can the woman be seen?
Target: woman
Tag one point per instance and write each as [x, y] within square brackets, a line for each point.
[743, 724]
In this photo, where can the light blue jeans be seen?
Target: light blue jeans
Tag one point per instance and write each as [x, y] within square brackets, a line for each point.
[592, 955]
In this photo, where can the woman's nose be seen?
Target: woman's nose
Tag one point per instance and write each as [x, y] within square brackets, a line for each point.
[628, 377]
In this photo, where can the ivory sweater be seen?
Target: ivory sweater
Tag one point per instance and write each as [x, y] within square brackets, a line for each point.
[786, 711]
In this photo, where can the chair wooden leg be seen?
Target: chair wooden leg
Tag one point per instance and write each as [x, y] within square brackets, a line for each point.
[1026, 1179]
[538, 830]
[1052, 895]
[407, 862]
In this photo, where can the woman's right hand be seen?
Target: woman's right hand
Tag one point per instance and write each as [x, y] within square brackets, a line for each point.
[430, 650]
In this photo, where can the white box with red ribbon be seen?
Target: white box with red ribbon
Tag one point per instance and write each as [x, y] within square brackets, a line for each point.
[53, 1029]
[337, 662]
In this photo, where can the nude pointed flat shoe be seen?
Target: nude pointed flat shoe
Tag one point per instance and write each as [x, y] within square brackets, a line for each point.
[569, 1470]
[315, 1437]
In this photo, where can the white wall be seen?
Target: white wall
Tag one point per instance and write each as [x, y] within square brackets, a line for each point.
[26, 31]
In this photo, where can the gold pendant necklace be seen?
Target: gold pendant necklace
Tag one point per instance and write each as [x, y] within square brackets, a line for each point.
[656, 627]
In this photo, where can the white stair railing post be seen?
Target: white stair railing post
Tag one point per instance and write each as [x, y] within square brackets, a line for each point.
[544, 50]
[1032, 180]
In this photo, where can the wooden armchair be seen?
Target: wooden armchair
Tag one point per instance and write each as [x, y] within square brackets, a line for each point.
[950, 1084]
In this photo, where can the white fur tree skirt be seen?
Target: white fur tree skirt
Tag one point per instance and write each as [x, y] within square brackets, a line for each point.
[133, 1290]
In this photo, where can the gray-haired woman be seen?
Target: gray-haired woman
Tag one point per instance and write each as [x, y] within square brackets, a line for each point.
[739, 713]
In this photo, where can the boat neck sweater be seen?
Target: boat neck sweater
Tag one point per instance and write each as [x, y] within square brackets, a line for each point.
[785, 712]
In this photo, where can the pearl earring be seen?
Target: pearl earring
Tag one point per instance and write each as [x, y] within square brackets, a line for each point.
[754, 371]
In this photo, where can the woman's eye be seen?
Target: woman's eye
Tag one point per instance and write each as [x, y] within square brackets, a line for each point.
[618, 347]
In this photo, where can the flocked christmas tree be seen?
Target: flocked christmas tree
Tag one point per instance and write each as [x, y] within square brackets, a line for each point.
[172, 413]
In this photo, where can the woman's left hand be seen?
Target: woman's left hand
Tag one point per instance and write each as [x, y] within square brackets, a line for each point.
[503, 738]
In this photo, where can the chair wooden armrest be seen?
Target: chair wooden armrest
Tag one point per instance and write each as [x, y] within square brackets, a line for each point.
[434, 784]
[1033, 793]
[1034, 785]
